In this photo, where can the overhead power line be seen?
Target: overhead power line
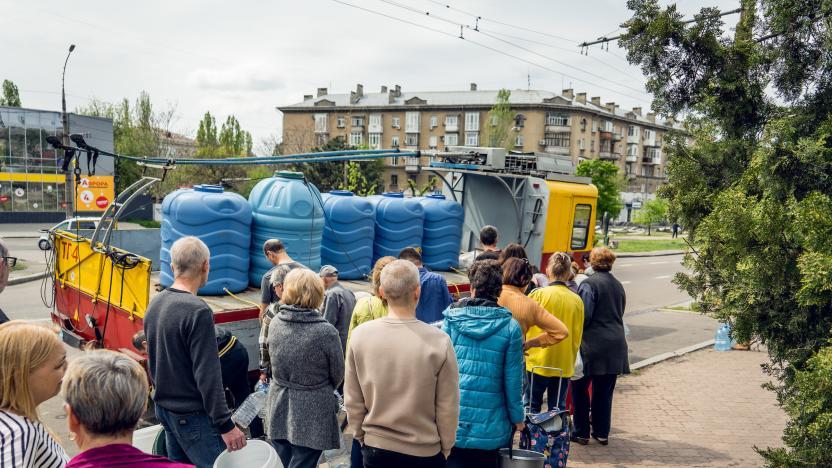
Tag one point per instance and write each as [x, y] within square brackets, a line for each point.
[461, 36]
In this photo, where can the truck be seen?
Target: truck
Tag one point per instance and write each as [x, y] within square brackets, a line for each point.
[101, 292]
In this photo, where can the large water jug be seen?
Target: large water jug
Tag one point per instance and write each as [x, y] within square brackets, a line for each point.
[220, 219]
[289, 208]
[442, 232]
[399, 223]
[722, 339]
[349, 226]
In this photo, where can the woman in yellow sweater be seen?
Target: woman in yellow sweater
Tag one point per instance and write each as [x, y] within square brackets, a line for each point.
[517, 274]
[373, 307]
[567, 306]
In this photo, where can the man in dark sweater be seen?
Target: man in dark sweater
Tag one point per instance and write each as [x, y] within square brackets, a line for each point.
[488, 240]
[184, 365]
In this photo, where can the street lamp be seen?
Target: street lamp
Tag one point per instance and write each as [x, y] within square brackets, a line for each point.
[69, 192]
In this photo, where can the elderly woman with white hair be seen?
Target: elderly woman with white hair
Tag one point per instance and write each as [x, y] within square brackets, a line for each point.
[307, 366]
[106, 395]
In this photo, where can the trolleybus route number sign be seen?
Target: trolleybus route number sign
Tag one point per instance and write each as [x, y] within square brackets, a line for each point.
[69, 251]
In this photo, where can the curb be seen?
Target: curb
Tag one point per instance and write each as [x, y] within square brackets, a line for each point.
[21, 236]
[647, 254]
[673, 354]
[27, 278]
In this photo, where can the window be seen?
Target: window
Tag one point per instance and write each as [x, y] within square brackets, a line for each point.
[647, 171]
[451, 120]
[580, 143]
[397, 122]
[583, 125]
[632, 150]
[472, 122]
[374, 140]
[518, 141]
[356, 138]
[433, 141]
[394, 180]
[394, 160]
[342, 122]
[411, 139]
[557, 119]
[649, 134]
[494, 120]
[632, 131]
[580, 226]
[629, 168]
[594, 125]
[451, 139]
[394, 142]
[472, 138]
[557, 139]
[375, 121]
[320, 123]
[411, 122]
[608, 127]
[434, 121]
[358, 121]
[519, 121]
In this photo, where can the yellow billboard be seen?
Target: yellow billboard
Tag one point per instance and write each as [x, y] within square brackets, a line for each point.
[94, 193]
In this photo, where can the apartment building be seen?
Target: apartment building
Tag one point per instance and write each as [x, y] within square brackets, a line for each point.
[560, 124]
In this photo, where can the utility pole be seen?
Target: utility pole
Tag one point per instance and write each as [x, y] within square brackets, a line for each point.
[69, 189]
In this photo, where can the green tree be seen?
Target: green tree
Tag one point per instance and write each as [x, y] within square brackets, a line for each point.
[416, 191]
[329, 175]
[753, 187]
[499, 122]
[11, 96]
[605, 176]
[229, 142]
[652, 212]
[137, 131]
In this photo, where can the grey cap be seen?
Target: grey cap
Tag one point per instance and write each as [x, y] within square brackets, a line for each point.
[328, 270]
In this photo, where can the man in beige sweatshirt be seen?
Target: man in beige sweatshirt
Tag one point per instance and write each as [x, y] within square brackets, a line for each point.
[401, 387]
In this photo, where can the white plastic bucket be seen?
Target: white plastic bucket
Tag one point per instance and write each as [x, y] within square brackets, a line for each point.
[144, 438]
[256, 454]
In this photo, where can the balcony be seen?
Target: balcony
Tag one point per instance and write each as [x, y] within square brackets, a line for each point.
[605, 135]
[616, 136]
[634, 139]
[412, 165]
[375, 128]
[451, 127]
[632, 158]
[556, 150]
[651, 160]
[557, 129]
[609, 155]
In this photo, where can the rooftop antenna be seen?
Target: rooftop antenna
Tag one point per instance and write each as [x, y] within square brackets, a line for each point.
[528, 81]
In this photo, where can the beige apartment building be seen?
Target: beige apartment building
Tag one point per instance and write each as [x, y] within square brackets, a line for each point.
[559, 124]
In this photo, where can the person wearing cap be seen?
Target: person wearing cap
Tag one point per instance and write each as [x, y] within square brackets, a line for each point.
[339, 303]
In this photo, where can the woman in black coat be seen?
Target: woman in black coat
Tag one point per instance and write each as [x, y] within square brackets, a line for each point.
[603, 349]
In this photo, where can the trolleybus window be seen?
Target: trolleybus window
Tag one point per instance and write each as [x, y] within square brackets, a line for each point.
[580, 226]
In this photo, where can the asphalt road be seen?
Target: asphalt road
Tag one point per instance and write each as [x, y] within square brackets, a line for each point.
[647, 281]
[27, 250]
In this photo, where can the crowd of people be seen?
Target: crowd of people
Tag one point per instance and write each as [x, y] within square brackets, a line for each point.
[427, 379]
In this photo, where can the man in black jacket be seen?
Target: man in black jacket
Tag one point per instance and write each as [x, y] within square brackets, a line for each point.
[184, 365]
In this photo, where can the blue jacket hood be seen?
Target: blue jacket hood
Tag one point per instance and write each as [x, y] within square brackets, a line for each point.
[477, 318]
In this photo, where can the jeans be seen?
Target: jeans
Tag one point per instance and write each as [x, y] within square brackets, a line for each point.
[550, 386]
[356, 457]
[603, 387]
[190, 437]
[295, 456]
[473, 458]
[380, 458]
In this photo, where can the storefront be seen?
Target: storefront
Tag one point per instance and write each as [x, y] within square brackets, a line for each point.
[32, 184]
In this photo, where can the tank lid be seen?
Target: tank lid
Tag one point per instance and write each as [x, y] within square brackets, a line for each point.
[437, 196]
[341, 193]
[208, 188]
[393, 194]
[289, 174]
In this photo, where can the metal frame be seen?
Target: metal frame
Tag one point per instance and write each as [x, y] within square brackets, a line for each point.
[120, 203]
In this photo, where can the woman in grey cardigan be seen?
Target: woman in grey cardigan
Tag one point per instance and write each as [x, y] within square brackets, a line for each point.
[307, 365]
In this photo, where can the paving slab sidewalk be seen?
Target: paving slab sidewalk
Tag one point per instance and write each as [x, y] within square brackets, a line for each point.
[705, 408]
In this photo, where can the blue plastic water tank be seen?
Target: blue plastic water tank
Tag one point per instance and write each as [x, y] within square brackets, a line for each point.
[223, 221]
[442, 233]
[289, 208]
[399, 223]
[347, 242]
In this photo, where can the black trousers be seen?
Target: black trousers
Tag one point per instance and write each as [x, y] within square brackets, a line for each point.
[473, 458]
[295, 456]
[603, 387]
[380, 458]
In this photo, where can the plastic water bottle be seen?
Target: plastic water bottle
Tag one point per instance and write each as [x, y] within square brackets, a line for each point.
[252, 407]
[722, 340]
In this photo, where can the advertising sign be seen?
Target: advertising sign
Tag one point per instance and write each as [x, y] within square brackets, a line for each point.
[94, 193]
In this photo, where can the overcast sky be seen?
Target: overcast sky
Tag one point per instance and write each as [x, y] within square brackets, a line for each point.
[247, 57]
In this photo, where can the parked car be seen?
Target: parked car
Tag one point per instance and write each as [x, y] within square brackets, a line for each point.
[69, 225]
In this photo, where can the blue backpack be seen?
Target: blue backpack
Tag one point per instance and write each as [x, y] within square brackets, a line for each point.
[548, 433]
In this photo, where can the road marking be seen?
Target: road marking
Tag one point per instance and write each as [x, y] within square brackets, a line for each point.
[658, 263]
[626, 282]
[664, 276]
[625, 265]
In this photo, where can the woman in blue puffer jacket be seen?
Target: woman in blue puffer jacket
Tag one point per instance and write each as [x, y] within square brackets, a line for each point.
[489, 350]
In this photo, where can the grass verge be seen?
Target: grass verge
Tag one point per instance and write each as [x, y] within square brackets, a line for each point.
[145, 223]
[640, 245]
